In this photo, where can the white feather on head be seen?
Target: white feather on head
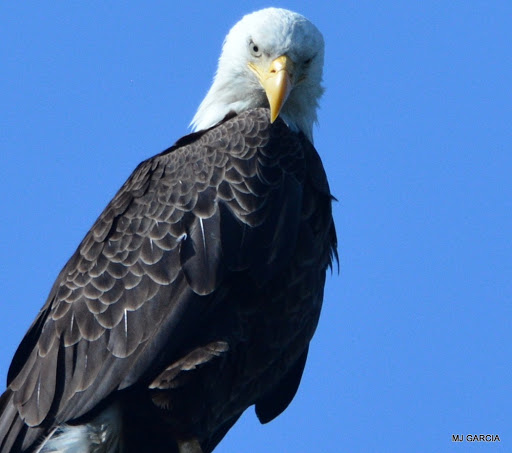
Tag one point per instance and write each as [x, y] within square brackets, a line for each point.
[235, 87]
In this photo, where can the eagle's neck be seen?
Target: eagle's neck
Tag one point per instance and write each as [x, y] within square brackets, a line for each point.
[238, 94]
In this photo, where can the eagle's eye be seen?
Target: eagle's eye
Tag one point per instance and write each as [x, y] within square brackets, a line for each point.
[255, 50]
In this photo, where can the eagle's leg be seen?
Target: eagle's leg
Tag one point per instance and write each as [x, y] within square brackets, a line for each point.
[189, 446]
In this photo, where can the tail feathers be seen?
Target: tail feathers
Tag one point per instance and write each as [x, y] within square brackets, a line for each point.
[99, 435]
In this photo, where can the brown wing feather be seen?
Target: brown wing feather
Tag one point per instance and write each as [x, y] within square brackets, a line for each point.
[132, 294]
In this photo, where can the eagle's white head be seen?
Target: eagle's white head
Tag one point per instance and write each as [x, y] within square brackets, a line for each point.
[273, 57]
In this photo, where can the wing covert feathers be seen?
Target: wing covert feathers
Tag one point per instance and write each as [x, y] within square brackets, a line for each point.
[226, 200]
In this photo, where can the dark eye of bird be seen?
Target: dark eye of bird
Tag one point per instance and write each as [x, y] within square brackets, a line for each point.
[255, 50]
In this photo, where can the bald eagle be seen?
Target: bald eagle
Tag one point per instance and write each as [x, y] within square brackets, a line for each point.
[197, 291]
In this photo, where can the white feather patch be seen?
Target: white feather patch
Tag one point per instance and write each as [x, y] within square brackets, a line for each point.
[100, 435]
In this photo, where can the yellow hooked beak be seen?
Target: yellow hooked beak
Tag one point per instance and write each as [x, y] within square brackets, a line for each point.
[277, 81]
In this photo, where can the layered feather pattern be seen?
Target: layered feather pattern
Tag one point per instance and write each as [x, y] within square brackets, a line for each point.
[202, 278]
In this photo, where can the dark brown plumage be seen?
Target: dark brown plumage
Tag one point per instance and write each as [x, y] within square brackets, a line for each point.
[194, 295]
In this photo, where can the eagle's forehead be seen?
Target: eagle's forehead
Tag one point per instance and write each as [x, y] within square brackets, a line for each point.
[279, 31]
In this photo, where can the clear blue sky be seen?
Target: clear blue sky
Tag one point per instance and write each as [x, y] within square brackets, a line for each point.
[415, 130]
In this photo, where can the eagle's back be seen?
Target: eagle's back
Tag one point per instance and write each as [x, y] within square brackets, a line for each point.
[194, 295]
